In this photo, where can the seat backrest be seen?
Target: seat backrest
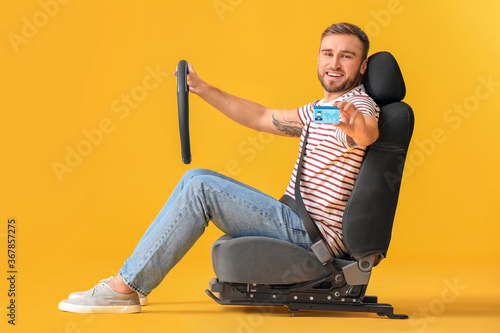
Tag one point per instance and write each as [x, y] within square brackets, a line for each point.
[369, 214]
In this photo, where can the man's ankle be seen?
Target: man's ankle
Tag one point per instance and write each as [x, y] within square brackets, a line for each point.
[117, 284]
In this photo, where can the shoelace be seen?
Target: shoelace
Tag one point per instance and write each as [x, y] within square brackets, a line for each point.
[99, 285]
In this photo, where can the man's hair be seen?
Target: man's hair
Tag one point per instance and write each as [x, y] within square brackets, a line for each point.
[344, 28]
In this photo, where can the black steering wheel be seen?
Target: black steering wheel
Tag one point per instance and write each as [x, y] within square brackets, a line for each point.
[183, 109]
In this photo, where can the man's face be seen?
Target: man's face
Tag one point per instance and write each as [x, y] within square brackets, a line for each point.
[339, 64]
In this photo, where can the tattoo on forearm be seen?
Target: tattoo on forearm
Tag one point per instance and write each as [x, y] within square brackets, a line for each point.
[292, 128]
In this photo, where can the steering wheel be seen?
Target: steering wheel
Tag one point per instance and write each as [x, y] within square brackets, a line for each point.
[183, 110]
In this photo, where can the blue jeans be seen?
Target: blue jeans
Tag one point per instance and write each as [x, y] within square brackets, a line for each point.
[202, 196]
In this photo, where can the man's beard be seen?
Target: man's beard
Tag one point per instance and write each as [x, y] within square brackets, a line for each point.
[344, 86]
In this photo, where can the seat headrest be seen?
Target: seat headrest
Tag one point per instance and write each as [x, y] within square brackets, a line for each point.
[383, 79]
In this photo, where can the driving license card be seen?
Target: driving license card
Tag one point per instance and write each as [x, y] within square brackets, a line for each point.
[326, 115]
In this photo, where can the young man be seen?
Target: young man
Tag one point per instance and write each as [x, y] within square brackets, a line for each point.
[330, 167]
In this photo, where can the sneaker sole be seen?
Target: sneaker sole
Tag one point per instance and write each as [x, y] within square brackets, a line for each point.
[99, 309]
[142, 299]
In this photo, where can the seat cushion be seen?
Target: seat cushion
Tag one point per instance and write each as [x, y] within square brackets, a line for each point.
[264, 260]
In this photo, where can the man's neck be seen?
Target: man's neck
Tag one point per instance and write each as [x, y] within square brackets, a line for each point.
[333, 96]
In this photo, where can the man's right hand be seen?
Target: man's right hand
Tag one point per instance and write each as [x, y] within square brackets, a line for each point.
[245, 112]
[193, 80]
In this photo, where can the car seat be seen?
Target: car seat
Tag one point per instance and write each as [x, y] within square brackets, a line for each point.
[263, 271]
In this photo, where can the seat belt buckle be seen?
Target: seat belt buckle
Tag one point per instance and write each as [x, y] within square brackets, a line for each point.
[322, 251]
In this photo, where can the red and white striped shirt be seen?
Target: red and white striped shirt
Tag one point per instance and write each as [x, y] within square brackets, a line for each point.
[330, 168]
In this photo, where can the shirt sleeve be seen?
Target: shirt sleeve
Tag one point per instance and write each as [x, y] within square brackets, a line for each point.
[366, 105]
[305, 112]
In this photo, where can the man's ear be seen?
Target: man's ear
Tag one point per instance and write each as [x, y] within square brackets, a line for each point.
[364, 65]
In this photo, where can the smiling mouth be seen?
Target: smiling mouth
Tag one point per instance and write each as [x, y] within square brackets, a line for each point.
[334, 75]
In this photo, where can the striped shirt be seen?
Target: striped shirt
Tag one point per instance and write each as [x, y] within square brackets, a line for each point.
[330, 168]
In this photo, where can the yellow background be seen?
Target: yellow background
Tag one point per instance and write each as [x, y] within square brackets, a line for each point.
[67, 68]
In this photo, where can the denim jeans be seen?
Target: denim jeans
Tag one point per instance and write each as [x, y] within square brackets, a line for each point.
[202, 196]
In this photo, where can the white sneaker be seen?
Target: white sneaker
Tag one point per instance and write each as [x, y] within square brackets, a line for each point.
[142, 299]
[102, 299]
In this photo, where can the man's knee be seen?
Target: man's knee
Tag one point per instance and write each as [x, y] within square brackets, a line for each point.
[203, 179]
[195, 173]
[198, 178]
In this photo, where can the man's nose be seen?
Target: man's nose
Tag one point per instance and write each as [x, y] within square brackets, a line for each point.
[335, 62]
